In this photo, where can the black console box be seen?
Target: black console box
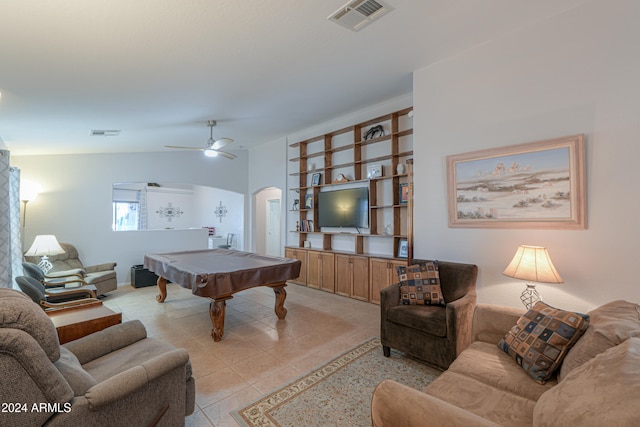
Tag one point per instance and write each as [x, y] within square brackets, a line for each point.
[141, 277]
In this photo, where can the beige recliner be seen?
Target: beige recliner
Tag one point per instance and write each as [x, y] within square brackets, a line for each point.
[102, 276]
[115, 377]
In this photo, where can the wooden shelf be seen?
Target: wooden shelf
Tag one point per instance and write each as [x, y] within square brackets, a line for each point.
[350, 158]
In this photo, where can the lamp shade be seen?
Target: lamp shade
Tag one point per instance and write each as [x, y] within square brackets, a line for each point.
[45, 245]
[532, 263]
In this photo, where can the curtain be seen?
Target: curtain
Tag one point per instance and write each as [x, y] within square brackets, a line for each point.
[142, 212]
[10, 239]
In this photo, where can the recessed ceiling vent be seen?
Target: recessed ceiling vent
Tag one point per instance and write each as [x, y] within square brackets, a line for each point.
[357, 14]
[103, 132]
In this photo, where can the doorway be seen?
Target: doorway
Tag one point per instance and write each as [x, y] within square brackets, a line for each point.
[268, 222]
[273, 227]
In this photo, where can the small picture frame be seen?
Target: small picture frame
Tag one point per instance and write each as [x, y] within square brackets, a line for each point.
[374, 171]
[404, 193]
[403, 248]
[316, 178]
[308, 201]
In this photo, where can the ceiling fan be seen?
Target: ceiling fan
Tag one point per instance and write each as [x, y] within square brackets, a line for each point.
[212, 149]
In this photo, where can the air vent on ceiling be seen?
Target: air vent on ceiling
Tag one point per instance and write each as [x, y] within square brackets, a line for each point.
[357, 14]
[103, 132]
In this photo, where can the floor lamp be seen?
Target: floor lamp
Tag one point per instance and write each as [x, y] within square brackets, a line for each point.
[28, 192]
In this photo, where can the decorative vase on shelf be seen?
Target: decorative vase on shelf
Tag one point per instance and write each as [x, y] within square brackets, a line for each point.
[400, 168]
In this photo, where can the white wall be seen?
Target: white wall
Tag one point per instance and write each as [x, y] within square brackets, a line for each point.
[75, 204]
[578, 72]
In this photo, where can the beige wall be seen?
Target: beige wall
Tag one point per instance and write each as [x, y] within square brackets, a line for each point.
[577, 72]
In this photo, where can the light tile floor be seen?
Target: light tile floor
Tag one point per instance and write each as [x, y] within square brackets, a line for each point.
[258, 352]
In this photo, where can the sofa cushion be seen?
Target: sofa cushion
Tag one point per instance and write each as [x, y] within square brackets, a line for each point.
[542, 337]
[494, 404]
[79, 380]
[609, 325]
[604, 391]
[420, 284]
[488, 364]
[429, 319]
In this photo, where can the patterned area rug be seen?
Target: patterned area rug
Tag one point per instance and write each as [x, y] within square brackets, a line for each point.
[337, 393]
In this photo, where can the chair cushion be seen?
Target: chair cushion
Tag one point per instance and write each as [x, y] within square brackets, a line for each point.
[542, 337]
[122, 359]
[609, 325]
[420, 284]
[604, 391]
[79, 380]
[430, 319]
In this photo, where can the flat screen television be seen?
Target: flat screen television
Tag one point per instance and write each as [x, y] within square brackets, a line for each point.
[344, 208]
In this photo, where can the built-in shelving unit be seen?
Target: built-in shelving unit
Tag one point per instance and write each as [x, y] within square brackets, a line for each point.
[346, 152]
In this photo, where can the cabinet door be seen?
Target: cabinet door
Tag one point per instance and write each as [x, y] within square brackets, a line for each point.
[327, 264]
[314, 269]
[383, 273]
[360, 278]
[301, 255]
[343, 275]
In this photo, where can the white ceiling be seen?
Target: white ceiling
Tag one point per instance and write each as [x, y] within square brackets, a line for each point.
[159, 69]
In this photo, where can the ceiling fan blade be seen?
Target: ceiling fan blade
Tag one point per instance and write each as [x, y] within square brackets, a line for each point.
[219, 143]
[185, 148]
[227, 155]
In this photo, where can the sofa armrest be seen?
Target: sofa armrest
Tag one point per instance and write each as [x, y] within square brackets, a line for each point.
[98, 344]
[395, 404]
[492, 322]
[133, 379]
[101, 267]
[460, 320]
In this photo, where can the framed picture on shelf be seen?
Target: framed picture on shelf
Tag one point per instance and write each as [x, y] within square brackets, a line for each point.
[404, 193]
[316, 178]
[308, 201]
[403, 248]
[374, 171]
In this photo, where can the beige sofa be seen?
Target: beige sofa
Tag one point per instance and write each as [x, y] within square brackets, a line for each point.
[597, 384]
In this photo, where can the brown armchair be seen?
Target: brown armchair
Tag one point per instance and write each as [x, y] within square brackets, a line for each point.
[115, 377]
[435, 334]
[102, 276]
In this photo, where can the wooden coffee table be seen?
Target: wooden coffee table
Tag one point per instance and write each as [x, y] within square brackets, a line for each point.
[80, 321]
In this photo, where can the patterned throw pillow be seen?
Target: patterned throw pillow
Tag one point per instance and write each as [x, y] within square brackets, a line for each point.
[542, 337]
[420, 284]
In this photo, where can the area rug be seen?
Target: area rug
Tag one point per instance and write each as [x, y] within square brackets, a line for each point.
[337, 393]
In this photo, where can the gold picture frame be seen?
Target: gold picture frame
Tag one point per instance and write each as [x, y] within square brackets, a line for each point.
[534, 185]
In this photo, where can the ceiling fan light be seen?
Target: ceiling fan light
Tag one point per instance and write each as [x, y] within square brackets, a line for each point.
[210, 153]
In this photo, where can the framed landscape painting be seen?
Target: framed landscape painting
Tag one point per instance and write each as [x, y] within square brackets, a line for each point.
[534, 185]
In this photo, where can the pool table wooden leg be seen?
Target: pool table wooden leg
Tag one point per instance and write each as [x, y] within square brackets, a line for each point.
[217, 309]
[281, 296]
[162, 288]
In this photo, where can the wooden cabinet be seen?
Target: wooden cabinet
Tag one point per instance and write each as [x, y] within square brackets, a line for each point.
[320, 270]
[352, 276]
[382, 273]
[299, 254]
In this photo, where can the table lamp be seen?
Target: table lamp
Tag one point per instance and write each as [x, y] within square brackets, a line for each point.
[533, 264]
[45, 245]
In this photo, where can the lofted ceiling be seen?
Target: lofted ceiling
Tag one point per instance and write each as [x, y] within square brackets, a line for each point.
[263, 69]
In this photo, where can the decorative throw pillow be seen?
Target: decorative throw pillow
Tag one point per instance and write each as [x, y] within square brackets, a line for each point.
[542, 337]
[420, 284]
